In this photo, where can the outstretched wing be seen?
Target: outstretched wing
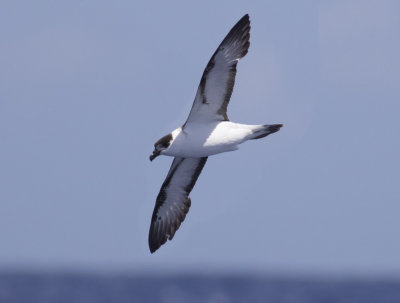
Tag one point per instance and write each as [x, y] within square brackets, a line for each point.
[173, 200]
[218, 78]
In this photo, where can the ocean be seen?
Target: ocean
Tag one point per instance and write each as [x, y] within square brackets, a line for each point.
[125, 288]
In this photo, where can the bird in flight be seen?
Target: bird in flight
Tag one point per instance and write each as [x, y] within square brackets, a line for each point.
[207, 131]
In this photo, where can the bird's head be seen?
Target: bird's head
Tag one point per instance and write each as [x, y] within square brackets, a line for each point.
[160, 146]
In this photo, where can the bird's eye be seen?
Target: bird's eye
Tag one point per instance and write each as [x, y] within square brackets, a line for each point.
[162, 146]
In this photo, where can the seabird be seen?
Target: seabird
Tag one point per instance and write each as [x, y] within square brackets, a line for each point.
[207, 131]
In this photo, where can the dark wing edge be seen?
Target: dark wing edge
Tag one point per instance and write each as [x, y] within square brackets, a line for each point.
[173, 201]
[234, 47]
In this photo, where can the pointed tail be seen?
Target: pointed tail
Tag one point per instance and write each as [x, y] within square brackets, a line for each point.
[266, 130]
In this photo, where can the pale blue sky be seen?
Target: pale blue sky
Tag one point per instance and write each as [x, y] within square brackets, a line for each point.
[87, 87]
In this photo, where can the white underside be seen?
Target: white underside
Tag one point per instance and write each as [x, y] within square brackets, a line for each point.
[206, 139]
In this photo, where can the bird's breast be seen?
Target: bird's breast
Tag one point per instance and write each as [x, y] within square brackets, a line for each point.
[205, 140]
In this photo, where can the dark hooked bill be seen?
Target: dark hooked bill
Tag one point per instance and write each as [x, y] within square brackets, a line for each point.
[154, 155]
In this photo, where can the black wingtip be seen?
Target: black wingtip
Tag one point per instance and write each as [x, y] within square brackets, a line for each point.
[244, 20]
[239, 36]
[245, 17]
[155, 241]
[154, 245]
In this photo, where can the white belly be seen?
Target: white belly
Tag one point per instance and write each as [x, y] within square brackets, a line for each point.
[202, 140]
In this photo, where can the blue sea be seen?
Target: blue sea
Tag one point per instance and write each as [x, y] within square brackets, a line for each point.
[125, 288]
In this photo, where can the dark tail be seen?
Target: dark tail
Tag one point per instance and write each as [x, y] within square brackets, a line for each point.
[266, 130]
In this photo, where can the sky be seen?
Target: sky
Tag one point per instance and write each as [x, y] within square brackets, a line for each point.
[87, 87]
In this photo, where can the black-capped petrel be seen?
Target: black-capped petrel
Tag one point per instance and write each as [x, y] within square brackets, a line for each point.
[207, 131]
